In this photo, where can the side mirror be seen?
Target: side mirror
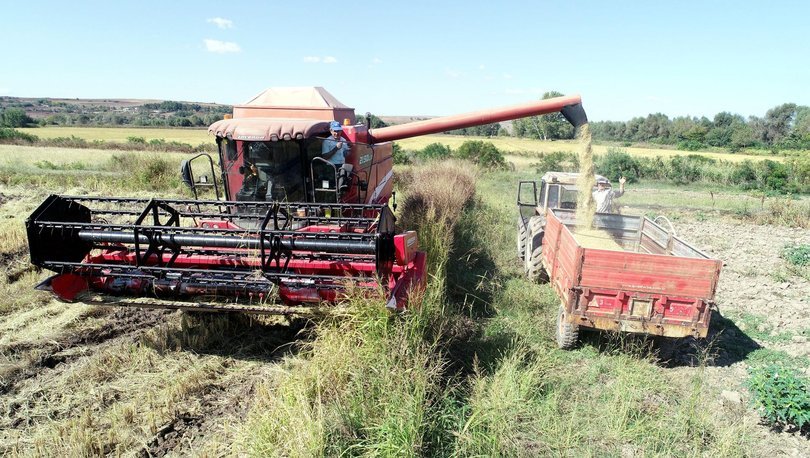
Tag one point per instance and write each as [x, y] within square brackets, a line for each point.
[185, 174]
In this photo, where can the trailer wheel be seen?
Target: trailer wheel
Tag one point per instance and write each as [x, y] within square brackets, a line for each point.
[567, 334]
[533, 254]
[521, 238]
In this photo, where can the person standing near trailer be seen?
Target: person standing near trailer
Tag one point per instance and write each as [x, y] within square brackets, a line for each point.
[603, 195]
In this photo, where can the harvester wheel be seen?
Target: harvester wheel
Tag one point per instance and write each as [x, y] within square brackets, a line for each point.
[521, 238]
[533, 254]
[567, 334]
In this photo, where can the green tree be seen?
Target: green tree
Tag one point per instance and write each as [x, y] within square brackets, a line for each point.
[15, 117]
[376, 122]
[742, 136]
[546, 127]
[778, 122]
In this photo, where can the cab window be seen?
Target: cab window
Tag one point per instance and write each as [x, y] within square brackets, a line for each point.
[272, 171]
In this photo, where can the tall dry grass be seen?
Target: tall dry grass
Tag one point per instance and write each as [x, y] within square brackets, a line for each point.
[367, 382]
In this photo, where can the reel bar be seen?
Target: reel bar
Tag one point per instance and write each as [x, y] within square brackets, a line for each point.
[207, 276]
[179, 240]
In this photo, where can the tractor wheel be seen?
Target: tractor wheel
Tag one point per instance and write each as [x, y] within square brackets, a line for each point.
[533, 254]
[567, 334]
[521, 238]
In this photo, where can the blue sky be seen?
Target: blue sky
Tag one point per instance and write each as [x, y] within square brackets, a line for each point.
[625, 58]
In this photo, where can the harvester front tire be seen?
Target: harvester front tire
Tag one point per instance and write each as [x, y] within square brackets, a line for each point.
[521, 238]
[533, 254]
[567, 334]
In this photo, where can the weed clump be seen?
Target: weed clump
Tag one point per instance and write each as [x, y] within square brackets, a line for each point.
[781, 395]
[149, 172]
[798, 255]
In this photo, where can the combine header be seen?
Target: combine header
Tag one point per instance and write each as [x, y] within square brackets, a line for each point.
[284, 237]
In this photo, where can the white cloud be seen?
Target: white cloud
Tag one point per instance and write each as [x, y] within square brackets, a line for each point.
[320, 60]
[452, 73]
[482, 67]
[222, 23]
[376, 61]
[5, 90]
[507, 76]
[221, 47]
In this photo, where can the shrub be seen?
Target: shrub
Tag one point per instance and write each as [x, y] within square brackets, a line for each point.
[66, 142]
[9, 135]
[744, 174]
[798, 255]
[399, 155]
[683, 170]
[482, 153]
[799, 167]
[136, 140]
[15, 117]
[434, 151]
[781, 395]
[616, 164]
[653, 168]
[690, 145]
[558, 161]
[772, 176]
[151, 171]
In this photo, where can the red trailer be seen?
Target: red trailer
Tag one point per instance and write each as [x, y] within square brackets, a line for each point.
[656, 284]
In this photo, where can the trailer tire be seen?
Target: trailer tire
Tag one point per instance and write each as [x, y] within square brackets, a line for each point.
[533, 254]
[521, 238]
[567, 334]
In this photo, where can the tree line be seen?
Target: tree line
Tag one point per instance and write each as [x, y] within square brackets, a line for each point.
[786, 126]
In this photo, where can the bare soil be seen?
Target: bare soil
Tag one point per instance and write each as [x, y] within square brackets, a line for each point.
[763, 310]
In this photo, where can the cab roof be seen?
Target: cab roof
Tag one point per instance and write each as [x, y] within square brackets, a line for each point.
[568, 178]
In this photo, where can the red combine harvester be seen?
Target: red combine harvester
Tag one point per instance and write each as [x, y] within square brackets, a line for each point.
[284, 236]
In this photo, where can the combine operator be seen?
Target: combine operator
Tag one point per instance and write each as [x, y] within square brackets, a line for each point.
[335, 149]
[603, 196]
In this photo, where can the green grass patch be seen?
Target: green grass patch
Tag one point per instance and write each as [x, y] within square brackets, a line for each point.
[757, 327]
[765, 356]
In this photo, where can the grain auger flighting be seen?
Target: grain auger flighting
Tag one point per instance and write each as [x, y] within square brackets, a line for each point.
[281, 234]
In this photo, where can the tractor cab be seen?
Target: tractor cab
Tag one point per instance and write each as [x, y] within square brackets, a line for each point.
[556, 190]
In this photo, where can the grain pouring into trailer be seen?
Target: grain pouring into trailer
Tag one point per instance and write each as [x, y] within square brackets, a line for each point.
[610, 271]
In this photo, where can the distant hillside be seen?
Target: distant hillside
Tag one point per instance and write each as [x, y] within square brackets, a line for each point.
[117, 112]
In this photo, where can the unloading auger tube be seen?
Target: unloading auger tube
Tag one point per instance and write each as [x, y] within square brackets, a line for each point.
[570, 107]
[194, 254]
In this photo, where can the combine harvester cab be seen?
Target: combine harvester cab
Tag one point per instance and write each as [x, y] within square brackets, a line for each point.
[284, 238]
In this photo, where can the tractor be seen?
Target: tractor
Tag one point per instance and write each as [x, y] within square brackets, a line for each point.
[557, 190]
